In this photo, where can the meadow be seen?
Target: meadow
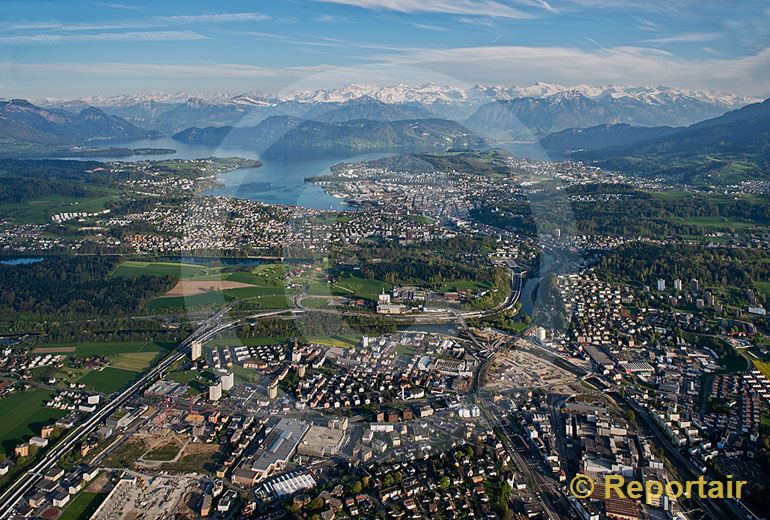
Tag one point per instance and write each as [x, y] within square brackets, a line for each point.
[23, 415]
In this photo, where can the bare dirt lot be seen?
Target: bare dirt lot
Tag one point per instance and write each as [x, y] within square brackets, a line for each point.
[53, 350]
[193, 287]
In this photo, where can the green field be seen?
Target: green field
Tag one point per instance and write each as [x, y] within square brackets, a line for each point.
[714, 222]
[187, 302]
[260, 297]
[39, 211]
[194, 463]
[173, 269]
[125, 455]
[133, 361]
[24, 413]
[197, 381]
[763, 287]
[122, 347]
[165, 452]
[83, 506]
[349, 285]
[266, 275]
[762, 366]
[405, 350]
[344, 341]
[108, 379]
[268, 290]
[247, 375]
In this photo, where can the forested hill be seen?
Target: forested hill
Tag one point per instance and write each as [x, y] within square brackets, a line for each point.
[723, 150]
[366, 135]
[75, 285]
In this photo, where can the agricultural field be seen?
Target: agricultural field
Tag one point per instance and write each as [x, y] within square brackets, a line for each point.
[108, 379]
[124, 347]
[40, 210]
[24, 413]
[264, 283]
[134, 361]
[126, 360]
[173, 269]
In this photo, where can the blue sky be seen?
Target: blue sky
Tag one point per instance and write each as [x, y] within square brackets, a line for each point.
[74, 48]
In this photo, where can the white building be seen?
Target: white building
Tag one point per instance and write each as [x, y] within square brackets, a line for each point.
[228, 380]
[196, 350]
[215, 391]
[661, 284]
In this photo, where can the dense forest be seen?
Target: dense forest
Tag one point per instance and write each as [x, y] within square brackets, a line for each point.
[643, 263]
[75, 285]
[21, 181]
[621, 210]
[491, 163]
[461, 258]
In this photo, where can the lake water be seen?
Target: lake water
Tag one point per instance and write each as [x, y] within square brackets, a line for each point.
[20, 261]
[275, 182]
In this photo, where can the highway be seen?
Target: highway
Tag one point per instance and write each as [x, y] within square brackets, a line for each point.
[15, 492]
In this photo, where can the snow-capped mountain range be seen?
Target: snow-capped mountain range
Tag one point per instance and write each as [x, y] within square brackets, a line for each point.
[426, 94]
[497, 112]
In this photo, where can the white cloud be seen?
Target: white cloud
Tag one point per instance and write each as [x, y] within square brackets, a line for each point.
[686, 38]
[619, 65]
[209, 70]
[155, 22]
[490, 8]
[112, 5]
[145, 36]
[217, 18]
[429, 27]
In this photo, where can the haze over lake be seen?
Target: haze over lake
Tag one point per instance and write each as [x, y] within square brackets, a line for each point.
[277, 181]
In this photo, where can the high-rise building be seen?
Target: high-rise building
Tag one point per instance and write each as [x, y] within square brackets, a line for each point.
[196, 350]
[272, 391]
[228, 380]
[661, 284]
[678, 284]
[215, 391]
[557, 233]
[540, 334]
[694, 285]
